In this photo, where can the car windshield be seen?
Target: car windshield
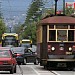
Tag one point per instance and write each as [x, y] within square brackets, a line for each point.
[28, 51]
[25, 45]
[4, 54]
[18, 50]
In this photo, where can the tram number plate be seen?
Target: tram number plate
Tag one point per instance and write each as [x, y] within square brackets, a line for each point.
[61, 65]
[61, 44]
[68, 53]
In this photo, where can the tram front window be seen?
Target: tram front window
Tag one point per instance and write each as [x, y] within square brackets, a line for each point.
[26, 45]
[52, 35]
[9, 42]
[70, 35]
[61, 35]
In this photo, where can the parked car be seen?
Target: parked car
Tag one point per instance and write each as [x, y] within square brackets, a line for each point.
[19, 52]
[7, 60]
[30, 56]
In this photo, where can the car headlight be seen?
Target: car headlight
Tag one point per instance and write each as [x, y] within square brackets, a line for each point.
[53, 48]
[70, 48]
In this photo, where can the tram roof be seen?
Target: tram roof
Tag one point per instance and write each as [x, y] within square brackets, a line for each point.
[58, 20]
[9, 34]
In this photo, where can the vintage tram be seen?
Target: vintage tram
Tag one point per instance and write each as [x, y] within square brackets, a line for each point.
[56, 42]
[10, 39]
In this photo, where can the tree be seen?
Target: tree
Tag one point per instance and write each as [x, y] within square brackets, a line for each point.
[2, 28]
[30, 31]
[32, 11]
[69, 11]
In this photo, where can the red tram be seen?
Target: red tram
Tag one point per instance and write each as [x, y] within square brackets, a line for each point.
[56, 42]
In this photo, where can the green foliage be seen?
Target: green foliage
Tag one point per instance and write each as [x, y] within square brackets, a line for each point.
[30, 31]
[69, 11]
[32, 11]
[2, 27]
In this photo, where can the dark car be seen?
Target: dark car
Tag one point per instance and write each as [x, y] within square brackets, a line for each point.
[19, 52]
[30, 56]
[7, 60]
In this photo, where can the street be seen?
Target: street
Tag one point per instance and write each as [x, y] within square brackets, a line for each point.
[31, 69]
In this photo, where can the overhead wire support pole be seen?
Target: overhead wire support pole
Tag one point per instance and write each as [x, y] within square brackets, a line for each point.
[0, 10]
[63, 6]
[55, 6]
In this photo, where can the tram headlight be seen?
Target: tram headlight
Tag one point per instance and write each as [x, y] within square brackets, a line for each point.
[70, 48]
[61, 48]
[53, 48]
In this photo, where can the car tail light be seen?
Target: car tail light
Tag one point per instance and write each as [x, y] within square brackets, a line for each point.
[1, 62]
[18, 54]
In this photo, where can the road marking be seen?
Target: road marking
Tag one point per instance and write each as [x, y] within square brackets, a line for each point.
[35, 71]
[54, 72]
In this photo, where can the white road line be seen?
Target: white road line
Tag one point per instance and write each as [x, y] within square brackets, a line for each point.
[35, 71]
[55, 72]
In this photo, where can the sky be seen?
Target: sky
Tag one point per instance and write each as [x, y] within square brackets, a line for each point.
[14, 6]
[14, 11]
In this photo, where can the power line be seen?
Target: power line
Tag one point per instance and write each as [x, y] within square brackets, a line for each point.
[13, 11]
[9, 6]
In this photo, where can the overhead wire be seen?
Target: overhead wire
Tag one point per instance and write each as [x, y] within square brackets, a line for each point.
[9, 7]
[10, 10]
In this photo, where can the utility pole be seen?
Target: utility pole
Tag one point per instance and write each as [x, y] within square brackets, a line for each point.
[0, 10]
[55, 6]
[63, 6]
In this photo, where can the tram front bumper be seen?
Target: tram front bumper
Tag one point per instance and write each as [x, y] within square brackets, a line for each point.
[62, 60]
[64, 63]
[57, 61]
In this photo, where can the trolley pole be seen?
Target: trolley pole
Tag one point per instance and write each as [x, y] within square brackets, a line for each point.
[55, 6]
[63, 6]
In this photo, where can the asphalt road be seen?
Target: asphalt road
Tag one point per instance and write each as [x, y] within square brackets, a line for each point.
[31, 69]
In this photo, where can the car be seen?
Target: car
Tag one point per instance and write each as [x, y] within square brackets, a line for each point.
[19, 52]
[7, 60]
[30, 56]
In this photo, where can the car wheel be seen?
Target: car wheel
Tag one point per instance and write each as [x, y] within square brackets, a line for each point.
[19, 63]
[36, 62]
[15, 69]
[24, 61]
[12, 71]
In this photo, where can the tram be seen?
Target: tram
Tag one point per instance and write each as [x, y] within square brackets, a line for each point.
[27, 43]
[10, 39]
[56, 42]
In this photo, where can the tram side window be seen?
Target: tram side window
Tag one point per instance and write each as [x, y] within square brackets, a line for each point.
[71, 35]
[52, 35]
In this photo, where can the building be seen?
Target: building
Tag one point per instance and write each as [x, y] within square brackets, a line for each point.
[51, 3]
[70, 4]
[60, 3]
